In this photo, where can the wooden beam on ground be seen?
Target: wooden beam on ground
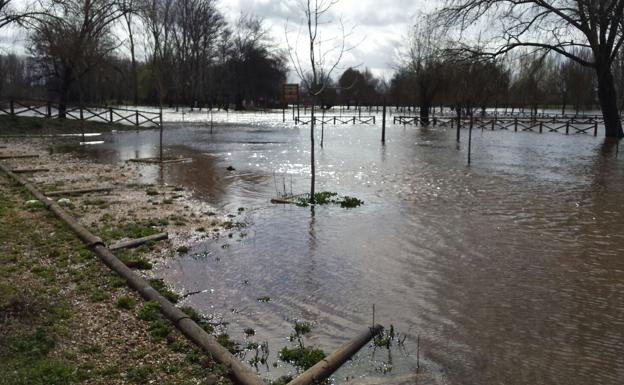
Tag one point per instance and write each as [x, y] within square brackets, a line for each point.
[139, 241]
[29, 170]
[328, 365]
[157, 160]
[18, 156]
[78, 191]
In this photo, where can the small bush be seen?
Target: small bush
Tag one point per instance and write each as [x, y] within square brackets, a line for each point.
[126, 303]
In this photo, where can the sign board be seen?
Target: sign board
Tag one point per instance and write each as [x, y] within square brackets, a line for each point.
[290, 93]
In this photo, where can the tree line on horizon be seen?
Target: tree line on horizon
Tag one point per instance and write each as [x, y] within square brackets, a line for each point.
[183, 52]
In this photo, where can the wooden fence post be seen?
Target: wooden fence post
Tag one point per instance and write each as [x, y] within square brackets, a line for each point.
[595, 128]
[11, 107]
[470, 139]
[49, 109]
[568, 127]
[383, 123]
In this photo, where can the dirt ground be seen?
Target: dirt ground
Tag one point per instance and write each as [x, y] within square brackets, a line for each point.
[64, 317]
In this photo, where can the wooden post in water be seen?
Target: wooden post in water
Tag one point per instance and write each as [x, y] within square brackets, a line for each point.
[470, 139]
[383, 123]
[284, 114]
[161, 135]
[595, 128]
[568, 127]
[458, 126]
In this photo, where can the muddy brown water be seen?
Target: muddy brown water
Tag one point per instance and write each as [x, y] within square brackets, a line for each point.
[510, 270]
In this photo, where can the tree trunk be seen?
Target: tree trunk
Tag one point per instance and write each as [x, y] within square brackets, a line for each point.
[424, 112]
[64, 94]
[312, 165]
[608, 103]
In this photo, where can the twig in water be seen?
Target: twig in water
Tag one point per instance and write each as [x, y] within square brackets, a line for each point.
[417, 354]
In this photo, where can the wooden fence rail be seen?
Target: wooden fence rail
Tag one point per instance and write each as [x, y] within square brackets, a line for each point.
[46, 109]
[575, 125]
[344, 119]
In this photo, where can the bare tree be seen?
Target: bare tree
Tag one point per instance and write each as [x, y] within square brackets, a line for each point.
[9, 13]
[562, 26]
[323, 58]
[75, 37]
[131, 8]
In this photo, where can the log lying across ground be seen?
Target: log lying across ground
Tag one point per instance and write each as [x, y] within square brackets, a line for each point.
[157, 160]
[138, 242]
[78, 191]
[5, 156]
[29, 170]
[328, 365]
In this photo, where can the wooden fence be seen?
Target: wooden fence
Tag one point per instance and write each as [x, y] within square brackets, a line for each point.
[572, 125]
[46, 109]
[344, 119]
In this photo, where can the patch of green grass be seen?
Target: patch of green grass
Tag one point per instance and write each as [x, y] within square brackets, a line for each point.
[42, 372]
[350, 202]
[182, 250]
[99, 295]
[160, 287]
[91, 349]
[140, 374]
[159, 329]
[126, 302]
[35, 344]
[263, 299]
[130, 230]
[231, 345]
[302, 357]
[150, 311]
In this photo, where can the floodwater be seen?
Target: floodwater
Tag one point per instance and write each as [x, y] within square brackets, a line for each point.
[508, 271]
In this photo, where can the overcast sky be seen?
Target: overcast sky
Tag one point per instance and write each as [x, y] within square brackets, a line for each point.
[379, 27]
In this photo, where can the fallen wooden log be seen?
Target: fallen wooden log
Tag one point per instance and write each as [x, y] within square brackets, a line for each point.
[78, 191]
[29, 170]
[285, 201]
[157, 160]
[328, 365]
[18, 156]
[138, 242]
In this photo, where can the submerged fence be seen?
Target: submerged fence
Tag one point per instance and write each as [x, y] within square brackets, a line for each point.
[571, 125]
[344, 119]
[104, 114]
